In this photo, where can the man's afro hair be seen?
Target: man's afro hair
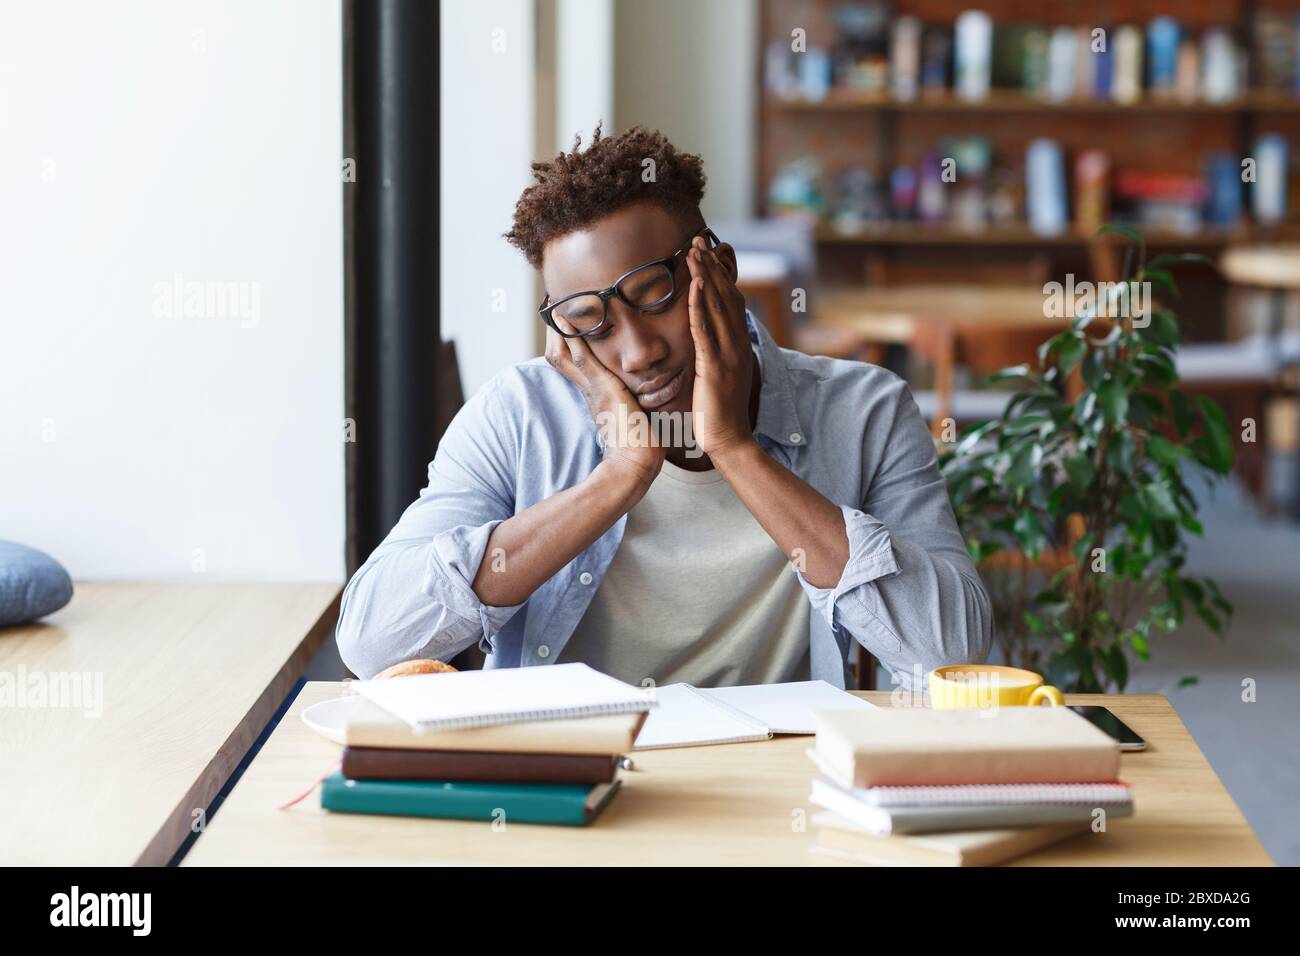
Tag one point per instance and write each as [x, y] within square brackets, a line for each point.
[579, 187]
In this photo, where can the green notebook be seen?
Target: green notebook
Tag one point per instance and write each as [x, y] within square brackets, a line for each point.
[570, 804]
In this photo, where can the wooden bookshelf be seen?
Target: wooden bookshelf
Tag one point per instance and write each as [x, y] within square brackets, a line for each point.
[848, 129]
[1012, 101]
[921, 234]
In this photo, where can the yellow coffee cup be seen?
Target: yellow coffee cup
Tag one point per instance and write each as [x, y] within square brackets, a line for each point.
[989, 685]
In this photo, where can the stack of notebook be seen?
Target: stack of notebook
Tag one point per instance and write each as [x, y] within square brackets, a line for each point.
[960, 787]
[524, 745]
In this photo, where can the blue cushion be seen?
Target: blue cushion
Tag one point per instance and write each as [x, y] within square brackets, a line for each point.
[32, 584]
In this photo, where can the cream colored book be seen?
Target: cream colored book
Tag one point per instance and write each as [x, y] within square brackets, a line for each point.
[839, 838]
[370, 726]
[920, 746]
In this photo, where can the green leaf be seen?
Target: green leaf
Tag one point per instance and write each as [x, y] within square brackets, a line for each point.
[1160, 280]
[1188, 681]
[1113, 401]
[1217, 446]
[1083, 547]
[1163, 451]
[971, 438]
[1128, 232]
[1162, 330]
[1029, 533]
[1180, 258]
[1071, 353]
[1131, 510]
[1085, 406]
[1209, 617]
[1216, 596]
[1121, 455]
[1157, 499]
[1094, 369]
[1051, 345]
[1145, 409]
[1024, 467]
[1157, 368]
[1116, 665]
[1015, 371]
[1026, 423]
[1080, 470]
[1033, 400]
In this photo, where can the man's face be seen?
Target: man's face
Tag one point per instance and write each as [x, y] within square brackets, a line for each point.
[652, 353]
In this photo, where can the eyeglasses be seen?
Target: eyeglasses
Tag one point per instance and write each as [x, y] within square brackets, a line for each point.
[648, 288]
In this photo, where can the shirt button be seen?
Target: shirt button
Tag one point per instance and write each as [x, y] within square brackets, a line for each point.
[543, 651]
[795, 438]
[584, 577]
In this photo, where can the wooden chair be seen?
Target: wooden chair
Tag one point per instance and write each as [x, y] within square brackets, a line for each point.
[981, 349]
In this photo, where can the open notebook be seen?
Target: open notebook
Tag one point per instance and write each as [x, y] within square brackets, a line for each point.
[431, 702]
[689, 716]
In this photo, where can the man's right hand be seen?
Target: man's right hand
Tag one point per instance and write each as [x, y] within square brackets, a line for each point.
[612, 405]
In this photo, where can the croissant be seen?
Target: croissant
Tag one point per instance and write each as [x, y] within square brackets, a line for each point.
[407, 668]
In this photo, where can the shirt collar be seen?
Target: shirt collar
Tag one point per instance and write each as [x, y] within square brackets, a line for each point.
[778, 419]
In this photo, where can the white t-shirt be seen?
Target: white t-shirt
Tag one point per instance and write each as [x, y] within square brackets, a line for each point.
[697, 592]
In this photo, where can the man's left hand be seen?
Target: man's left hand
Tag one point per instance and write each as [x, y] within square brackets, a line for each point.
[723, 357]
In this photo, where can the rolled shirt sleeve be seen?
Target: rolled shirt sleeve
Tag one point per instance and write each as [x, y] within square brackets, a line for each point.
[909, 592]
[871, 556]
[414, 596]
[454, 561]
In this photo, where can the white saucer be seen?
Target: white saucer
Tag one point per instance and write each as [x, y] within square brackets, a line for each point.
[329, 718]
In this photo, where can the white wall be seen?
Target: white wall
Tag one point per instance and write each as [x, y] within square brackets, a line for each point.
[689, 69]
[142, 141]
[489, 299]
[584, 66]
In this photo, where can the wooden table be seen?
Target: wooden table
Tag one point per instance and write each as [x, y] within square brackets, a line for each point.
[1274, 266]
[190, 674]
[738, 804]
[891, 314]
[980, 328]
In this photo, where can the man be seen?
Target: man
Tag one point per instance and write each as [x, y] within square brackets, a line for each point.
[799, 508]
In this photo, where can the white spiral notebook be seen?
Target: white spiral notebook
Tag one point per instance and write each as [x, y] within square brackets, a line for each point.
[430, 702]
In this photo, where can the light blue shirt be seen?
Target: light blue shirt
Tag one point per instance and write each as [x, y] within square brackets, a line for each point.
[908, 593]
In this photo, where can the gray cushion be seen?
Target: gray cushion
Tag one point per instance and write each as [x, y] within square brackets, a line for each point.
[32, 584]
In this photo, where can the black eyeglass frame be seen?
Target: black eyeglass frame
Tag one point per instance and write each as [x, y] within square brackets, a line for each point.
[670, 262]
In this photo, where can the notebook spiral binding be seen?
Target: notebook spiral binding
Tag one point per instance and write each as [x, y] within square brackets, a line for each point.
[549, 713]
[999, 793]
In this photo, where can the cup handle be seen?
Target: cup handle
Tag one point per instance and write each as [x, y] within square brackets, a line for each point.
[1046, 692]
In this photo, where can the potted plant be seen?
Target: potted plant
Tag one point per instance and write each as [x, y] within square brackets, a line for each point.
[1074, 502]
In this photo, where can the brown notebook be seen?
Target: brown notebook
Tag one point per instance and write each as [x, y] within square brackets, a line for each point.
[382, 763]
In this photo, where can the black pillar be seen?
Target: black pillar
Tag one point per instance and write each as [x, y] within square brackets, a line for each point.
[391, 131]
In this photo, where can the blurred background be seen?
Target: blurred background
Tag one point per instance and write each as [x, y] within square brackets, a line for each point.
[901, 179]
